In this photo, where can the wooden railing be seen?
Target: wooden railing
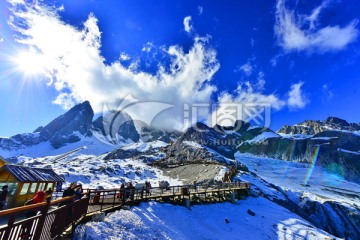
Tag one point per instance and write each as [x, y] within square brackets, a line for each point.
[111, 198]
[52, 219]
[50, 222]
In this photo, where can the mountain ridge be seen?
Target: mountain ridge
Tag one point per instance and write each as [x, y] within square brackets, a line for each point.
[311, 127]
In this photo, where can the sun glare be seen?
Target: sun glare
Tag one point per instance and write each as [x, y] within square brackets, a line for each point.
[29, 62]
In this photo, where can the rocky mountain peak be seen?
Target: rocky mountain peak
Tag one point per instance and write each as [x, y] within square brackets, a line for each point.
[311, 127]
[65, 128]
[337, 121]
[117, 125]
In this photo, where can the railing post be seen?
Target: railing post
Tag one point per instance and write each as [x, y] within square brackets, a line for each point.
[42, 218]
[102, 201]
[114, 198]
[9, 227]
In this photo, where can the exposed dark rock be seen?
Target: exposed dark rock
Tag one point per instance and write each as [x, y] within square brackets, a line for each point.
[250, 212]
[223, 140]
[310, 127]
[201, 143]
[116, 127]
[337, 121]
[67, 128]
[183, 153]
[149, 134]
[335, 218]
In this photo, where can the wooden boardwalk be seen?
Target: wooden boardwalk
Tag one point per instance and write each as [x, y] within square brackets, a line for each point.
[54, 221]
[106, 200]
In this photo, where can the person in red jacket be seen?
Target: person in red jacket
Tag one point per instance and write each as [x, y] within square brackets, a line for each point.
[38, 198]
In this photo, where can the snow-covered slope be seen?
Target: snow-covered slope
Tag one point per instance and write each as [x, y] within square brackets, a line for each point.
[93, 171]
[163, 221]
[302, 179]
[88, 145]
[325, 199]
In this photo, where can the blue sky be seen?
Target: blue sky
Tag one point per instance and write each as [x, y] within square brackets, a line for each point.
[301, 58]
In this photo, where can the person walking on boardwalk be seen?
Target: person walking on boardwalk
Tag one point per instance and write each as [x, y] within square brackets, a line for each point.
[148, 187]
[70, 191]
[121, 195]
[3, 196]
[49, 192]
[78, 192]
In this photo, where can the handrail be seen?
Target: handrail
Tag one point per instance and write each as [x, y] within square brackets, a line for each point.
[173, 189]
[93, 190]
[32, 206]
[57, 201]
[54, 221]
[22, 208]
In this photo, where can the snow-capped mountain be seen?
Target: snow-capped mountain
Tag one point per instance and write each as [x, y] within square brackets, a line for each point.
[334, 146]
[76, 128]
[310, 127]
[114, 149]
[67, 128]
[115, 127]
[149, 134]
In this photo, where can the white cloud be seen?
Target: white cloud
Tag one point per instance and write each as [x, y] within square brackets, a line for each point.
[260, 85]
[252, 42]
[247, 69]
[65, 100]
[296, 98]
[78, 71]
[246, 93]
[147, 47]
[187, 24]
[299, 32]
[124, 57]
[327, 93]
[200, 10]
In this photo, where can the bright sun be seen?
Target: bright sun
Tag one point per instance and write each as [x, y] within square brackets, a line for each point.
[29, 62]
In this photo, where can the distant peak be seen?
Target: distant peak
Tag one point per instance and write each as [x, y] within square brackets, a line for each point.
[336, 120]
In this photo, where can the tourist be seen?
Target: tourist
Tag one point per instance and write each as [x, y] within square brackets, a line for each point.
[3, 196]
[48, 192]
[78, 192]
[38, 198]
[69, 192]
[148, 187]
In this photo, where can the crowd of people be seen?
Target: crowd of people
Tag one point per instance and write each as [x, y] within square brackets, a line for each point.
[74, 189]
[127, 192]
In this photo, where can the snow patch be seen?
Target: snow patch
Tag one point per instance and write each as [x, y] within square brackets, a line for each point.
[263, 136]
[348, 151]
[193, 144]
